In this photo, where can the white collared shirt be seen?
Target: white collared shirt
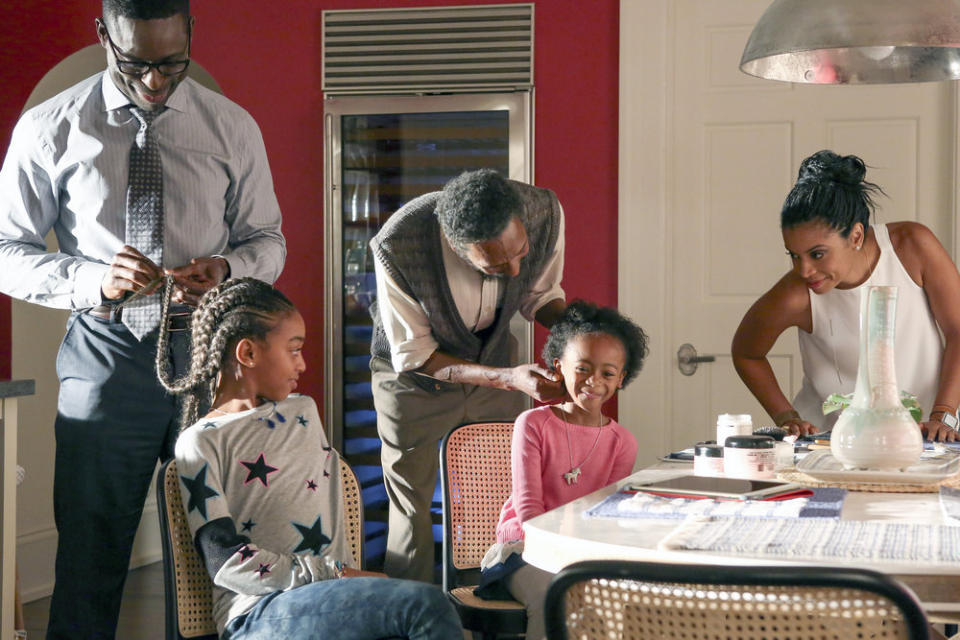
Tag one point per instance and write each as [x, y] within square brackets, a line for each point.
[67, 167]
[476, 295]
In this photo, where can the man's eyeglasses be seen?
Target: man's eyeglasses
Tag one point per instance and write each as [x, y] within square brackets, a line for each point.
[140, 68]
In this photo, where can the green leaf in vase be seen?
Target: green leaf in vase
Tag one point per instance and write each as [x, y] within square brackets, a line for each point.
[837, 401]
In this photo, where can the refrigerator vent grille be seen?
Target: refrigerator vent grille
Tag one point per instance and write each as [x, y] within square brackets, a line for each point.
[427, 50]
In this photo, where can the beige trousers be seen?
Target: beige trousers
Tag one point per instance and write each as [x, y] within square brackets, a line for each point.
[411, 422]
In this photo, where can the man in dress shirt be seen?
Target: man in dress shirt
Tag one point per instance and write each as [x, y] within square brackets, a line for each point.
[453, 267]
[67, 169]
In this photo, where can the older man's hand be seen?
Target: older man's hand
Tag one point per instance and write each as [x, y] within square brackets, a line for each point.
[537, 382]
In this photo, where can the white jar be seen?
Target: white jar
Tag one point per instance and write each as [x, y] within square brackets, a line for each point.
[733, 424]
[783, 454]
[708, 459]
[749, 456]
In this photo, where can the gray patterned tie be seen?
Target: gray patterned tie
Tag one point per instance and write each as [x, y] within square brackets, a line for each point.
[144, 230]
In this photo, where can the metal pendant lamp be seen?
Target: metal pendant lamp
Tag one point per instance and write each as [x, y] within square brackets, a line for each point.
[856, 41]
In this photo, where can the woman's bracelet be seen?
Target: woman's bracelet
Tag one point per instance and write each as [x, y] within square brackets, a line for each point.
[784, 417]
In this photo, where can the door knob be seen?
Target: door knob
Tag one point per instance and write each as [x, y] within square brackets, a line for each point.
[688, 360]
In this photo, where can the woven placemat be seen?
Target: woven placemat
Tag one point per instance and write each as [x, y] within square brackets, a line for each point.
[792, 475]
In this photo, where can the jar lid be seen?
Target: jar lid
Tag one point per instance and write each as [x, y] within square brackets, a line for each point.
[750, 442]
[708, 450]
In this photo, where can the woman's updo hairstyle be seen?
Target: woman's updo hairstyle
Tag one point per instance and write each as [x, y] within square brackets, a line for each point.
[234, 309]
[582, 318]
[830, 189]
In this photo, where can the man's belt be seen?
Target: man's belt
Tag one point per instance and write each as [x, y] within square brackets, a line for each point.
[176, 320]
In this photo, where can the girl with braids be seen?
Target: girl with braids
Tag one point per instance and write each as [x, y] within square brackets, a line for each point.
[262, 487]
[835, 253]
[563, 452]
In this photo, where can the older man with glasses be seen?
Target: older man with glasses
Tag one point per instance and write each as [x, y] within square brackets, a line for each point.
[142, 174]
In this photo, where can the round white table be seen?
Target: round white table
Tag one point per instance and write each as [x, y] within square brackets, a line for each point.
[564, 536]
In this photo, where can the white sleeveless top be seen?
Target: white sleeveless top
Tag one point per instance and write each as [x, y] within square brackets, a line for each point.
[830, 353]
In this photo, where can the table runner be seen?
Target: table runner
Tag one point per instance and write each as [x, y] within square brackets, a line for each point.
[819, 539]
[825, 503]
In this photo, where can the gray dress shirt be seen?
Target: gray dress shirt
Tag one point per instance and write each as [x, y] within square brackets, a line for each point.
[66, 169]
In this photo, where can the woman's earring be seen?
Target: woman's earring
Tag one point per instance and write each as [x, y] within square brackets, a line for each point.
[858, 246]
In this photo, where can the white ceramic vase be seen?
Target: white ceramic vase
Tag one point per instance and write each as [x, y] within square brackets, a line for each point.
[876, 431]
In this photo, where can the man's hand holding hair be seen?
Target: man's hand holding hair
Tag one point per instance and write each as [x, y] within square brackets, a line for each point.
[130, 271]
[195, 279]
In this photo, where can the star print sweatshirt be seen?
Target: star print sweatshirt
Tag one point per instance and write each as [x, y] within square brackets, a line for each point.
[262, 493]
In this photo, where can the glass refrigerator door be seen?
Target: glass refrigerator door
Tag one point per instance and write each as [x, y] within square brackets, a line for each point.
[385, 152]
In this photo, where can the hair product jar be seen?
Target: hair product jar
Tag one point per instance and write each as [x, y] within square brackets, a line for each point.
[733, 424]
[783, 454]
[708, 459]
[749, 457]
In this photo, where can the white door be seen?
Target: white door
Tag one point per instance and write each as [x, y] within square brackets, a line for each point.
[707, 156]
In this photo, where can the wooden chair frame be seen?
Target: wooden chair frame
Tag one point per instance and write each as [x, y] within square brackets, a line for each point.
[476, 480]
[188, 591]
[757, 601]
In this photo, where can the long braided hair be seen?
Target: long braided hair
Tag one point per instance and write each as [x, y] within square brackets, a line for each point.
[235, 309]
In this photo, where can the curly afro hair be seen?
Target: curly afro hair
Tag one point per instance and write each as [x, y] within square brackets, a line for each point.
[582, 318]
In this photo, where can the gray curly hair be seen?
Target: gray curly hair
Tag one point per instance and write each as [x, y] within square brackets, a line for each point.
[477, 206]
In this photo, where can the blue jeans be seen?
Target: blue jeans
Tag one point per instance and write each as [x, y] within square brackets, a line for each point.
[350, 609]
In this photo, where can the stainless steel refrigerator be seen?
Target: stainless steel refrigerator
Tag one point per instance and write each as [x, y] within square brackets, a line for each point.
[381, 152]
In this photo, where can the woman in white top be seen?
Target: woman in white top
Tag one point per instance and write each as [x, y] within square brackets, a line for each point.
[826, 230]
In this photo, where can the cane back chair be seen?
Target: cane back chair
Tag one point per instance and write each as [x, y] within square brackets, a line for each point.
[188, 590]
[476, 480]
[652, 601]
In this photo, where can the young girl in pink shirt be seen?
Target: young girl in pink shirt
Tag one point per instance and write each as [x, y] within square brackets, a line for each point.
[563, 452]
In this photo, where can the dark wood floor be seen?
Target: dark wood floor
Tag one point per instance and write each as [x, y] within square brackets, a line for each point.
[141, 612]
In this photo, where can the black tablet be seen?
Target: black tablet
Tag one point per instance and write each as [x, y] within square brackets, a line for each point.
[720, 488]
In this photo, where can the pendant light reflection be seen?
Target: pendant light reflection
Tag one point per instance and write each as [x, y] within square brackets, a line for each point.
[856, 41]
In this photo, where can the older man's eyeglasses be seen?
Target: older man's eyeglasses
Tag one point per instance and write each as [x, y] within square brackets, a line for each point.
[140, 68]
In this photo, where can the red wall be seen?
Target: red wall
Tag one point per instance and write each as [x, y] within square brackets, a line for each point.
[268, 61]
[34, 36]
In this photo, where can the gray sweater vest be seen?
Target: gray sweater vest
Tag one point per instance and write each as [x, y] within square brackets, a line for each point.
[409, 246]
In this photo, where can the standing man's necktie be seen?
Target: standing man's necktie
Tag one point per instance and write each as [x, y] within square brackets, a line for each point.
[144, 230]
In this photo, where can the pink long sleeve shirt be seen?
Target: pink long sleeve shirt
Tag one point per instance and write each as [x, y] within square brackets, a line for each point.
[541, 455]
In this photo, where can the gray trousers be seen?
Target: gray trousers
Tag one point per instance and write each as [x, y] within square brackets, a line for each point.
[411, 422]
[114, 422]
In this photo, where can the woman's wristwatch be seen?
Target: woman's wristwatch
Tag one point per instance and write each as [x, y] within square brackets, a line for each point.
[943, 415]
